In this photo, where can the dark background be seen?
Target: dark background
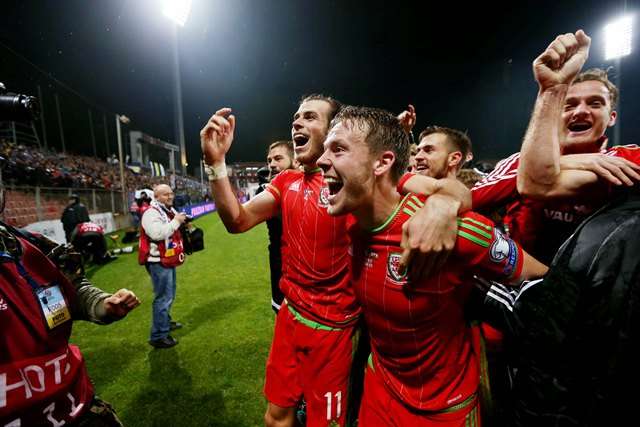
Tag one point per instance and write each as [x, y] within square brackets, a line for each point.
[466, 66]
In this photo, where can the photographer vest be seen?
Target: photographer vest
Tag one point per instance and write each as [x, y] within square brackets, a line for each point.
[171, 249]
[43, 379]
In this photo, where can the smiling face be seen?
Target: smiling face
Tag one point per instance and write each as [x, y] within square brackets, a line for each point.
[412, 159]
[164, 195]
[309, 129]
[348, 169]
[435, 157]
[279, 159]
[587, 115]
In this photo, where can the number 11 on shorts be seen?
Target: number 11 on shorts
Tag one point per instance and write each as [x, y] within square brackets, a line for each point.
[330, 407]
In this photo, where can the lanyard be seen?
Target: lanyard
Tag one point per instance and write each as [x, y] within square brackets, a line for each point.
[23, 272]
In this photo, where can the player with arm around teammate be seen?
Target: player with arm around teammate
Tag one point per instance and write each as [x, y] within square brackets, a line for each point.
[311, 351]
[422, 371]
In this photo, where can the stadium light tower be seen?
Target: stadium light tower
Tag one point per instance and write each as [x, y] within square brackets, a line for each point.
[123, 183]
[178, 12]
[617, 43]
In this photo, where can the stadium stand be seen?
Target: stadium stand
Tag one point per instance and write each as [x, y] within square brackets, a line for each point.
[39, 181]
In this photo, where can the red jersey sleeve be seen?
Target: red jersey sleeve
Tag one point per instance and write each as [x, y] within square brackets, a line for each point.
[497, 188]
[488, 251]
[403, 180]
[629, 152]
[280, 183]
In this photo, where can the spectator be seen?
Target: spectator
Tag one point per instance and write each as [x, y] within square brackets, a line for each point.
[75, 213]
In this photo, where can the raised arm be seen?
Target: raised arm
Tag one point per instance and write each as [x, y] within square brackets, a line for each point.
[539, 173]
[408, 119]
[216, 138]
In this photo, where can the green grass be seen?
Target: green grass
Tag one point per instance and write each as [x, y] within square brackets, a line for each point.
[214, 376]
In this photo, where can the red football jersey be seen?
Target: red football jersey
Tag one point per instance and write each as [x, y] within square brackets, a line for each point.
[315, 265]
[420, 340]
[539, 226]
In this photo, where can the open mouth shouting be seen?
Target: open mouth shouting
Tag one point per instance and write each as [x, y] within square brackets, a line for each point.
[300, 141]
[579, 127]
[335, 185]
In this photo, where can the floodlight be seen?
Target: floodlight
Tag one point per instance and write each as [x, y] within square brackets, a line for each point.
[617, 35]
[177, 10]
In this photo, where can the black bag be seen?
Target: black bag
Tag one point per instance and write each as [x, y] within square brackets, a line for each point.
[192, 239]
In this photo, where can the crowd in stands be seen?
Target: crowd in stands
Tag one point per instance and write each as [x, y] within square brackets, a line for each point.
[36, 166]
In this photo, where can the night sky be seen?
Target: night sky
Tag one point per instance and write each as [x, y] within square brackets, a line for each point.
[463, 66]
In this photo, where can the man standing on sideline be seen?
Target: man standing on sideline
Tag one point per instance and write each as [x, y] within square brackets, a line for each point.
[312, 346]
[422, 370]
[161, 251]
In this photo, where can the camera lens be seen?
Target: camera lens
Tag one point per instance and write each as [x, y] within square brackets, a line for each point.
[19, 108]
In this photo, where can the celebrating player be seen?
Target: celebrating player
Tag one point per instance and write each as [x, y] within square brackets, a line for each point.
[422, 371]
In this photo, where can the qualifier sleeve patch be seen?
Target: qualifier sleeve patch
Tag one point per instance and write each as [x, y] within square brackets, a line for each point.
[504, 250]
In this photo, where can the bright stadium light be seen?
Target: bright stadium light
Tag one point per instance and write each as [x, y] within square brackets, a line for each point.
[617, 38]
[177, 10]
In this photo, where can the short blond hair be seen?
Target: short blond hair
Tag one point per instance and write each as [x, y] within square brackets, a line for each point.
[600, 75]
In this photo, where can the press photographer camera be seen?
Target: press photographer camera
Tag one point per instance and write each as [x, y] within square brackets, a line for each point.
[192, 237]
[18, 107]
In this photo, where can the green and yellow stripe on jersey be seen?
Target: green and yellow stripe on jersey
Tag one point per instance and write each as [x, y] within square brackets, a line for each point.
[412, 205]
[475, 231]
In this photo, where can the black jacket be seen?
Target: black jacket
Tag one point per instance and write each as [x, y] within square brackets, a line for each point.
[575, 336]
[74, 214]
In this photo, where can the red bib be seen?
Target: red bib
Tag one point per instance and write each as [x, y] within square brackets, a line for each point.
[171, 249]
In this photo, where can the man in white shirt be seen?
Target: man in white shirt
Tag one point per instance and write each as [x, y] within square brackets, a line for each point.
[161, 251]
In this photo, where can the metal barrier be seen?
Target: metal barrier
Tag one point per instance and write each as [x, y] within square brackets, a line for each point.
[25, 205]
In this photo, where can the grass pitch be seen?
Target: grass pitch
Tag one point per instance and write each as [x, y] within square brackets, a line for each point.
[214, 376]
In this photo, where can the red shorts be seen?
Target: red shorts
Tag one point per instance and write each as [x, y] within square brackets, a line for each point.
[311, 360]
[380, 408]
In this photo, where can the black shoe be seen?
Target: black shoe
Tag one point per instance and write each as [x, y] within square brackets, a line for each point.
[175, 325]
[165, 342]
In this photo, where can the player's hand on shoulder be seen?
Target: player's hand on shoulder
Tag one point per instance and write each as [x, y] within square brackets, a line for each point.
[217, 135]
[563, 59]
[429, 237]
[616, 170]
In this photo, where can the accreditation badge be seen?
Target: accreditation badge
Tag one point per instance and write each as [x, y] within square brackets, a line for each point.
[53, 305]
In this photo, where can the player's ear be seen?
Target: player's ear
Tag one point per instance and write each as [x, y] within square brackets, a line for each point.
[383, 163]
[612, 118]
[455, 158]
